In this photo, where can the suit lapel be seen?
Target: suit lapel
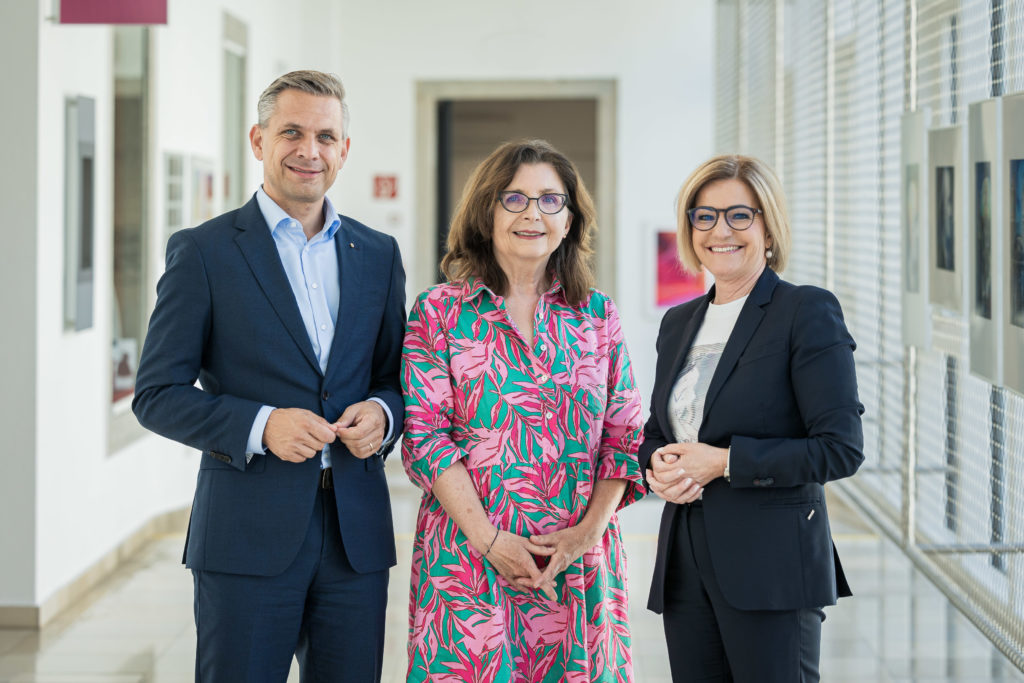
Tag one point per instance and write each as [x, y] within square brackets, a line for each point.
[750, 317]
[351, 264]
[260, 252]
[686, 337]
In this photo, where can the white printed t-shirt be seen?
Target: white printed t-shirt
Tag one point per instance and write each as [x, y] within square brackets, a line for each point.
[686, 402]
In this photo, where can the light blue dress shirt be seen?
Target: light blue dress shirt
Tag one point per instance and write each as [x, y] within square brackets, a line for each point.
[312, 270]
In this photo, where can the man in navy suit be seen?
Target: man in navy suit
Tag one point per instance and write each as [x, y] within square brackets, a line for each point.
[291, 317]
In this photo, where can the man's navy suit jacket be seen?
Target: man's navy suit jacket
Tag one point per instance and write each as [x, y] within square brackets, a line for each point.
[226, 315]
[784, 398]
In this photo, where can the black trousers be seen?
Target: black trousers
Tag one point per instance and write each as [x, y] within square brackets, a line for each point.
[709, 640]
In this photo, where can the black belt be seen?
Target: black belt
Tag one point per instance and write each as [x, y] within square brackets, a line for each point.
[326, 479]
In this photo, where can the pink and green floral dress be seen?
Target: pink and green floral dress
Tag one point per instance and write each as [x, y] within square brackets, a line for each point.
[535, 427]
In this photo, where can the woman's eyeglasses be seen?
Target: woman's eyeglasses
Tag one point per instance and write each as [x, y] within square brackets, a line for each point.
[738, 216]
[516, 202]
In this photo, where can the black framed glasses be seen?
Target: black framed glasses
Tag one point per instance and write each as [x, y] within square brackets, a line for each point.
[516, 202]
[738, 216]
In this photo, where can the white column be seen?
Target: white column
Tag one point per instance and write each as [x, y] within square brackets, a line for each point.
[19, 49]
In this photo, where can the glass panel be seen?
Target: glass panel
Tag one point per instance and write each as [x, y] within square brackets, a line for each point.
[130, 308]
[235, 129]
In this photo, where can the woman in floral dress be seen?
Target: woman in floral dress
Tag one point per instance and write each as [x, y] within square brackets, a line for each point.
[522, 428]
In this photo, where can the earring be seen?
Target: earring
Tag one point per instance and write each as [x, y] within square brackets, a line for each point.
[768, 253]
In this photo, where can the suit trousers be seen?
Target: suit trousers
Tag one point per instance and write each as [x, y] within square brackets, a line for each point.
[319, 609]
[709, 640]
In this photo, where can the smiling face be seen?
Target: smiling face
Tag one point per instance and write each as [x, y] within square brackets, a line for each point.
[302, 149]
[735, 257]
[525, 241]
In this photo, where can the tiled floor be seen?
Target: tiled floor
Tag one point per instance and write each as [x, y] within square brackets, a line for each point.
[137, 627]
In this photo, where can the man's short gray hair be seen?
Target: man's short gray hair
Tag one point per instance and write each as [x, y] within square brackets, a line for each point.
[312, 82]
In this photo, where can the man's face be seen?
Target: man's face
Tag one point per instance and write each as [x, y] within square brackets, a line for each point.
[302, 148]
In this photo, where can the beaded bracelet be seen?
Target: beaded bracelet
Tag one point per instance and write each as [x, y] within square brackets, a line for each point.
[496, 532]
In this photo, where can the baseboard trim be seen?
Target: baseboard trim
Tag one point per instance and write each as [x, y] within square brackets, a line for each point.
[19, 617]
[36, 617]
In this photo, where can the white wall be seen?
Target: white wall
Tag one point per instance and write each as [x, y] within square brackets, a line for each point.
[89, 500]
[658, 51]
[19, 45]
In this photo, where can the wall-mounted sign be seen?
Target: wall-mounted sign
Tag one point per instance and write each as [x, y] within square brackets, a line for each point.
[113, 11]
[385, 187]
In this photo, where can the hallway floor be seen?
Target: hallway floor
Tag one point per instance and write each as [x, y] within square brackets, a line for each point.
[137, 627]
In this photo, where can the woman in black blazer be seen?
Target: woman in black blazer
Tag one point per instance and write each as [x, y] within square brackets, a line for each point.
[754, 408]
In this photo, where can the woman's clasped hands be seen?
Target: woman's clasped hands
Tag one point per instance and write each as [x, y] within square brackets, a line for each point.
[515, 556]
[678, 472]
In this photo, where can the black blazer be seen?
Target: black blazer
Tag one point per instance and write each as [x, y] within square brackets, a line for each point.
[784, 398]
[225, 314]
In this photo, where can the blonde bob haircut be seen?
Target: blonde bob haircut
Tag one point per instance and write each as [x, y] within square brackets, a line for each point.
[765, 185]
[470, 239]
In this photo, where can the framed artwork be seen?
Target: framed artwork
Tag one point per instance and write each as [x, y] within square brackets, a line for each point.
[916, 323]
[202, 191]
[175, 215]
[672, 284]
[983, 245]
[981, 239]
[1012, 228]
[124, 366]
[946, 253]
[1016, 235]
[79, 211]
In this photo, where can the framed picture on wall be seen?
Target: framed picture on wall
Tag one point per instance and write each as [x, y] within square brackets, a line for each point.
[672, 284]
[175, 214]
[1012, 227]
[202, 190]
[946, 253]
[916, 325]
[983, 266]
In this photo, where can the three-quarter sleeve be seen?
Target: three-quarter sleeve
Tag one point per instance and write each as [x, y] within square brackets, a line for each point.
[427, 448]
[623, 418]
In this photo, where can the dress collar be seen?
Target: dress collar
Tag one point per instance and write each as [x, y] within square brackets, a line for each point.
[473, 286]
